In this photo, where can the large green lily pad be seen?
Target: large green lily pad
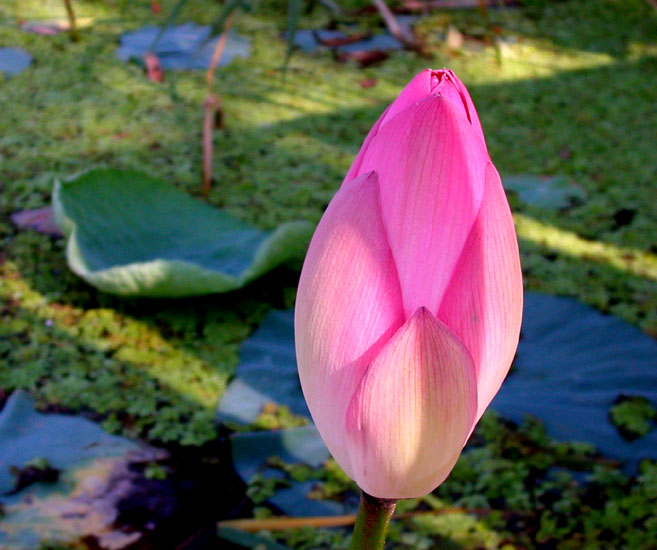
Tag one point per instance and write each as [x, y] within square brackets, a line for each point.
[131, 234]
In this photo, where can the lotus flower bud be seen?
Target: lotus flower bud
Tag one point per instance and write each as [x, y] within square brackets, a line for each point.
[410, 300]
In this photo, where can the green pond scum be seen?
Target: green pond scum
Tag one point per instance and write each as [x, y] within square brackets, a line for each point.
[569, 91]
[633, 416]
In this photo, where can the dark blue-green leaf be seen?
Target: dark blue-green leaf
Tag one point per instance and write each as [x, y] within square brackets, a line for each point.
[187, 46]
[552, 192]
[304, 445]
[267, 372]
[572, 364]
[14, 60]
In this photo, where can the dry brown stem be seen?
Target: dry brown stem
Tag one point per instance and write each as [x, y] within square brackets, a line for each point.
[212, 109]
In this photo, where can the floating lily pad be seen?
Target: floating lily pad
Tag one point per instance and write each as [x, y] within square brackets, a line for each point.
[378, 42]
[130, 234]
[309, 40]
[544, 191]
[571, 366]
[187, 46]
[294, 500]
[93, 476]
[62, 440]
[267, 372]
[14, 60]
[251, 450]
[302, 444]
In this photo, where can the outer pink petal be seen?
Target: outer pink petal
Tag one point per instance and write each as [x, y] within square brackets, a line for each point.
[411, 414]
[431, 166]
[416, 90]
[483, 304]
[424, 84]
[348, 305]
[354, 170]
[420, 87]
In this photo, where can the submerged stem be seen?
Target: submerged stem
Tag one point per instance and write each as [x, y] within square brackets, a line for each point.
[372, 522]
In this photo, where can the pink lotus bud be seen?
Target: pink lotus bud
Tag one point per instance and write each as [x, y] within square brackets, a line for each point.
[410, 299]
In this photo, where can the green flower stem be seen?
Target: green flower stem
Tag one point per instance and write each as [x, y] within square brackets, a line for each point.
[372, 522]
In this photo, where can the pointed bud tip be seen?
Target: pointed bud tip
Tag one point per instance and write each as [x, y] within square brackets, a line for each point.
[422, 311]
[423, 320]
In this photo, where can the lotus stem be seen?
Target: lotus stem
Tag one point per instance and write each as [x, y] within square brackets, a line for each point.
[372, 522]
[398, 31]
[483, 8]
[72, 27]
[212, 107]
[218, 50]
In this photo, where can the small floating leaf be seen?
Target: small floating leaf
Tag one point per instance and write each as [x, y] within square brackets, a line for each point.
[14, 60]
[347, 46]
[251, 451]
[186, 46]
[544, 191]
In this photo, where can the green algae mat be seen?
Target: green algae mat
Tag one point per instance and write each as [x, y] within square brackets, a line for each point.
[131, 234]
